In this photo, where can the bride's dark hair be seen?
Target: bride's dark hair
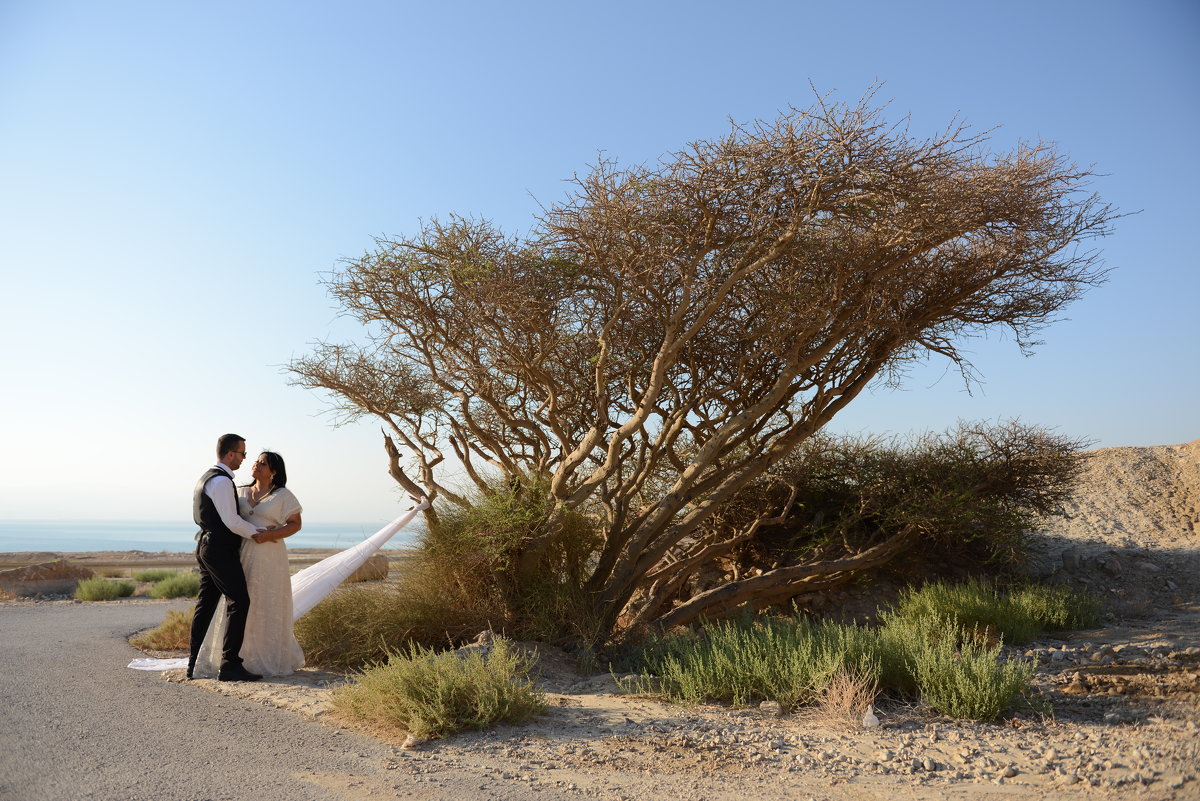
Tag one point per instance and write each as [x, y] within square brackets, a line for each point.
[275, 464]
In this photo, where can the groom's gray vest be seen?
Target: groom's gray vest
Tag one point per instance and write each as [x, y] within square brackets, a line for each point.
[204, 512]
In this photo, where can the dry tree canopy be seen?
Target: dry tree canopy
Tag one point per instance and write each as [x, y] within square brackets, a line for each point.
[668, 332]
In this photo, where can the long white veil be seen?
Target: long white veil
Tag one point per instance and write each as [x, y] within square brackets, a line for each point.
[313, 583]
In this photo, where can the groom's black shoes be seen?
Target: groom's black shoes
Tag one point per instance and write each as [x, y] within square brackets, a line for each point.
[236, 673]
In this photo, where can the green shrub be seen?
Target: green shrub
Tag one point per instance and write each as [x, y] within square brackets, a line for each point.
[748, 661]
[173, 634]
[475, 557]
[102, 589]
[432, 695]
[462, 579]
[179, 585]
[153, 575]
[974, 604]
[1057, 608]
[1017, 617]
[362, 624]
[960, 677]
[794, 662]
[972, 492]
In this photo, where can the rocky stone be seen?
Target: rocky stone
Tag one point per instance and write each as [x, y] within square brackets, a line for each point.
[1130, 652]
[1071, 559]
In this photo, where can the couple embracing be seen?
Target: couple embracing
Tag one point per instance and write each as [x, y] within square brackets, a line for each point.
[242, 628]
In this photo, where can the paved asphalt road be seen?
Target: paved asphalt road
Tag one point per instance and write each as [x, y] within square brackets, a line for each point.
[75, 724]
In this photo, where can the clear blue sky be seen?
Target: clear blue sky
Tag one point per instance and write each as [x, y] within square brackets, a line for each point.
[174, 178]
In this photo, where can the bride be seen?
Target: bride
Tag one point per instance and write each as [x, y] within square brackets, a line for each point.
[269, 647]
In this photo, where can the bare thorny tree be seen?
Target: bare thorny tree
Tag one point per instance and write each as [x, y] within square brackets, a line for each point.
[668, 333]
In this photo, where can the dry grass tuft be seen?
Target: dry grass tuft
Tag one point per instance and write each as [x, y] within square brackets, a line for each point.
[847, 695]
[172, 634]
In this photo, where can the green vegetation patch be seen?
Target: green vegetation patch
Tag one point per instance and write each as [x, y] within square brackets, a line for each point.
[431, 695]
[941, 643]
[102, 589]
[360, 625]
[180, 585]
[1016, 617]
[962, 676]
[154, 574]
[753, 660]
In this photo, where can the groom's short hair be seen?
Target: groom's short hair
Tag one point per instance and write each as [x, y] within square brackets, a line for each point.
[227, 443]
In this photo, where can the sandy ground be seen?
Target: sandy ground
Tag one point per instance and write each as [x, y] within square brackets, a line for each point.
[1124, 699]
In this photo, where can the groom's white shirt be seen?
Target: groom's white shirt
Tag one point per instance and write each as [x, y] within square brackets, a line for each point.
[223, 497]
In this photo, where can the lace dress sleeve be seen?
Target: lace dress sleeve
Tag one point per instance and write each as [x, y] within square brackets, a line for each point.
[288, 505]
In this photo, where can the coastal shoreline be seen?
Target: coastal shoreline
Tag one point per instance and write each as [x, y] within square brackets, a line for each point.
[117, 560]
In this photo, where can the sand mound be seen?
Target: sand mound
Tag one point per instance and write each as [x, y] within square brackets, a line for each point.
[46, 578]
[1137, 498]
[1131, 531]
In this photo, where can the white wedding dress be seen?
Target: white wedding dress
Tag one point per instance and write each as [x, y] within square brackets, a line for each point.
[306, 589]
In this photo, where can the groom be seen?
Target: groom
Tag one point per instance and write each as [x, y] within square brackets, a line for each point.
[214, 507]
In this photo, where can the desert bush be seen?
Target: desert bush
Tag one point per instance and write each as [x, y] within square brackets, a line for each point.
[173, 634]
[1017, 616]
[102, 589]
[457, 582]
[154, 574]
[469, 555]
[752, 660]
[961, 677]
[840, 667]
[432, 695]
[361, 624]
[969, 494]
[179, 585]
[975, 604]
[1057, 608]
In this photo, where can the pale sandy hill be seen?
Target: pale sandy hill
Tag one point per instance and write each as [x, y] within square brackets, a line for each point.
[1137, 497]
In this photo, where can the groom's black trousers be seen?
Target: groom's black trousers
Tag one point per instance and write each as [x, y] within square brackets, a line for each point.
[221, 574]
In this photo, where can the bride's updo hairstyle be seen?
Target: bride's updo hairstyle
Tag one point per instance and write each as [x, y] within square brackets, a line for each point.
[275, 464]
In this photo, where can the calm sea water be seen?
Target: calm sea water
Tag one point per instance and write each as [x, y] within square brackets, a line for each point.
[174, 535]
